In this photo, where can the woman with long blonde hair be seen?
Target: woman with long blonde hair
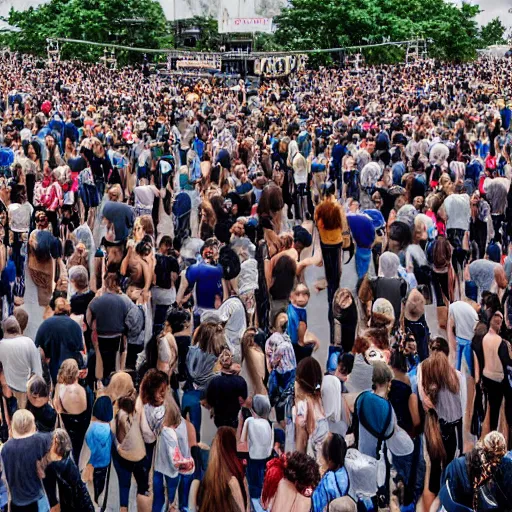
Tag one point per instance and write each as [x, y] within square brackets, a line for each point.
[442, 391]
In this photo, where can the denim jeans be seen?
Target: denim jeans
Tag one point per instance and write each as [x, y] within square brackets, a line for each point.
[125, 469]
[191, 403]
[255, 475]
[411, 470]
[159, 490]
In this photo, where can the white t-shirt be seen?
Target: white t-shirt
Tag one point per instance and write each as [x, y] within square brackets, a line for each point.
[248, 277]
[465, 318]
[260, 437]
[19, 217]
[145, 196]
[458, 211]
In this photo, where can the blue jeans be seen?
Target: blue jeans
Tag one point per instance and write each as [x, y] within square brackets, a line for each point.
[125, 469]
[191, 401]
[159, 490]
[255, 476]
[464, 352]
[411, 469]
[184, 491]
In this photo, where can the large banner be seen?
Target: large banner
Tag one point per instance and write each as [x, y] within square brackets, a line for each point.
[248, 15]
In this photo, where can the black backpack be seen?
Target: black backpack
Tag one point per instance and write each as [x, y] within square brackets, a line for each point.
[230, 262]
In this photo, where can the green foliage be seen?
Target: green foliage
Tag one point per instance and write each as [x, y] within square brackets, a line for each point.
[102, 21]
[306, 25]
[493, 33]
[335, 23]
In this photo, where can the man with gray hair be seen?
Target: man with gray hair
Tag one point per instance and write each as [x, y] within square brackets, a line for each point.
[20, 359]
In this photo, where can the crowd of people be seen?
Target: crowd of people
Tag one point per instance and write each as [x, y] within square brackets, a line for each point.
[163, 241]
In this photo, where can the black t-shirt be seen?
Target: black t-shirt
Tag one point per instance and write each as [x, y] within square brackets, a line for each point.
[399, 397]
[45, 417]
[223, 395]
[19, 457]
[163, 268]
[80, 302]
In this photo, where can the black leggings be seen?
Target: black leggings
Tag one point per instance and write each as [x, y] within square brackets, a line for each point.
[109, 347]
[332, 256]
[33, 507]
[494, 392]
[99, 477]
[440, 281]
[452, 439]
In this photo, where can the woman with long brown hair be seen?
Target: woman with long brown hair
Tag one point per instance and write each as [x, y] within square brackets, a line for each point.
[224, 486]
[308, 413]
[442, 391]
[253, 363]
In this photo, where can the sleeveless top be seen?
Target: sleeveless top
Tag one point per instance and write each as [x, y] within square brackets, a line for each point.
[399, 398]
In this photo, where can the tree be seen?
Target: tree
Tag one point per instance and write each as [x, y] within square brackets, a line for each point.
[314, 24]
[138, 23]
[493, 33]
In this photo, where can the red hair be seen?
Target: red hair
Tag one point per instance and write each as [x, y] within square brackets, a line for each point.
[224, 463]
[273, 475]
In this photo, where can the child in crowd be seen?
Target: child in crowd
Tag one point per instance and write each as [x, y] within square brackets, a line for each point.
[281, 365]
[99, 441]
[303, 341]
[38, 397]
[258, 432]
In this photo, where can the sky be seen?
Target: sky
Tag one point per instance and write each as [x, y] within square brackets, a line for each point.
[490, 8]
[494, 8]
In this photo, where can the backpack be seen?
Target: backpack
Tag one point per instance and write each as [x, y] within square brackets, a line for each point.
[360, 417]
[382, 141]
[6, 157]
[230, 262]
[182, 205]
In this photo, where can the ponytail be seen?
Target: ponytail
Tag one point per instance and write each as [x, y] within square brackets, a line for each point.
[435, 445]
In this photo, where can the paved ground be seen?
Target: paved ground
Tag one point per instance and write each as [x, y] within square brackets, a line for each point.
[317, 323]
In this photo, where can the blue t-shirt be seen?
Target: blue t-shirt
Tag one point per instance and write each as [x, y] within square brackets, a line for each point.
[99, 440]
[295, 316]
[243, 188]
[208, 281]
